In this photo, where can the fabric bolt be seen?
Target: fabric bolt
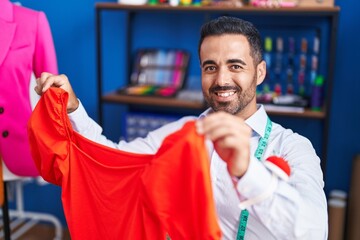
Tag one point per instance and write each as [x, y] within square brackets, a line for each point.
[26, 47]
[297, 208]
[112, 194]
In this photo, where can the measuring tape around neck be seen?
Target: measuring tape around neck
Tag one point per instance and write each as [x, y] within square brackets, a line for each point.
[263, 142]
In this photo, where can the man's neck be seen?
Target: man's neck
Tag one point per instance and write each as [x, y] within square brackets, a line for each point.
[248, 111]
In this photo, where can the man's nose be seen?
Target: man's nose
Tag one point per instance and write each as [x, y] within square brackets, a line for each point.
[223, 77]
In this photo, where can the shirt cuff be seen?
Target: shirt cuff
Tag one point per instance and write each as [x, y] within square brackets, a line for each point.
[78, 118]
[255, 181]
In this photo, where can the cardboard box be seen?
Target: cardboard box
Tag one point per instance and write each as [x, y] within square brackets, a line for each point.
[316, 3]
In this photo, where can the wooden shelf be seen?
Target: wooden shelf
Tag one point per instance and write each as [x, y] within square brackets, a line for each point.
[191, 105]
[153, 101]
[308, 113]
[245, 9]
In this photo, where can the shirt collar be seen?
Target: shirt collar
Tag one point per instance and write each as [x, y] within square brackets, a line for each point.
[257, 121]
[6, 12]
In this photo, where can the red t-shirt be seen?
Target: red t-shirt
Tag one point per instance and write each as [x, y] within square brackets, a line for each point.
[112, 194]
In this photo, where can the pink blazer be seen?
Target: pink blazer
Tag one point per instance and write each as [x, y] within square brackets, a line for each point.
[26, 46]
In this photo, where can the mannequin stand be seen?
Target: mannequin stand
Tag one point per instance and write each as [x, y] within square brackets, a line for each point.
[22, 221]
[5, 212]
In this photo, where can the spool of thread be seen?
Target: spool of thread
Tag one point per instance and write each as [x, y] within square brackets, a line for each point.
[133, 2]
[196, 2]
[186, 2]
[153, 2]
[337, 210]
[174, 3]
[317, 94]
[353, 217]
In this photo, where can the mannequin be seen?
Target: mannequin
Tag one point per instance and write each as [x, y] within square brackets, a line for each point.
[26, 47]
[26, 50]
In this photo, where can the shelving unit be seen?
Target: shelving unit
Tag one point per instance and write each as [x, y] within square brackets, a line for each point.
[329, 14]
[194, 105]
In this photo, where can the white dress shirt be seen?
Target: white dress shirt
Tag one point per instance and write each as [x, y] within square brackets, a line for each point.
[295, 209]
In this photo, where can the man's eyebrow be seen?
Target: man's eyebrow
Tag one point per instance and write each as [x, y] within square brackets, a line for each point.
[207, 62]
[236, 61]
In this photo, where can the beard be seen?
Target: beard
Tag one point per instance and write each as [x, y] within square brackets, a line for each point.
[244, 97]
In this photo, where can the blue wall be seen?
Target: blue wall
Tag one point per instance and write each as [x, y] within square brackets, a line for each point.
[73, 27]
[345, 116]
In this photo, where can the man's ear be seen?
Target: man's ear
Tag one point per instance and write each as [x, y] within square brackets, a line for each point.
[260, 72]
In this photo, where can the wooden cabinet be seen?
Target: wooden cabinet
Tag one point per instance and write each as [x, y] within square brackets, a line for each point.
[324, 20]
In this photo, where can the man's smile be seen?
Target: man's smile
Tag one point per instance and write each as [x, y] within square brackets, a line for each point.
[225, 94]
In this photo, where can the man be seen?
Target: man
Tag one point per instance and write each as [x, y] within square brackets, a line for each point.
[232, 66]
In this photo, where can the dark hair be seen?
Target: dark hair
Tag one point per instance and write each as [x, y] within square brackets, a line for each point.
[232, 25]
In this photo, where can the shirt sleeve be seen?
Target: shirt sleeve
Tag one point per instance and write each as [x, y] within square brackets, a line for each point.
[297, 208]
[87, 127]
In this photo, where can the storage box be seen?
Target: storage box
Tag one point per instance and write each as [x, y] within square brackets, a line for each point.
[316, 3]
[158, 72]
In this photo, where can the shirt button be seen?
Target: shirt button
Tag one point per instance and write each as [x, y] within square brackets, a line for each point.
[1, 110]
[5, 133]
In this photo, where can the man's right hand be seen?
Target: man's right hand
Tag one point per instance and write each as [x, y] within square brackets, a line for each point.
[48, 80]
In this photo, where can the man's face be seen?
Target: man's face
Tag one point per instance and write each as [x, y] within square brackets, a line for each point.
[229, 77]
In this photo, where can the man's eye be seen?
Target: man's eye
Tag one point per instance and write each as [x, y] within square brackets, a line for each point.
[209, 68]
[236, 67]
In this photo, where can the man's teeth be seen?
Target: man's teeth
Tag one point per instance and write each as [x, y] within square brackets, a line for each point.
[225, 94]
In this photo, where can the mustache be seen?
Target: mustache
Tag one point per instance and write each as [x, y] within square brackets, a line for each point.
[218, 88]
